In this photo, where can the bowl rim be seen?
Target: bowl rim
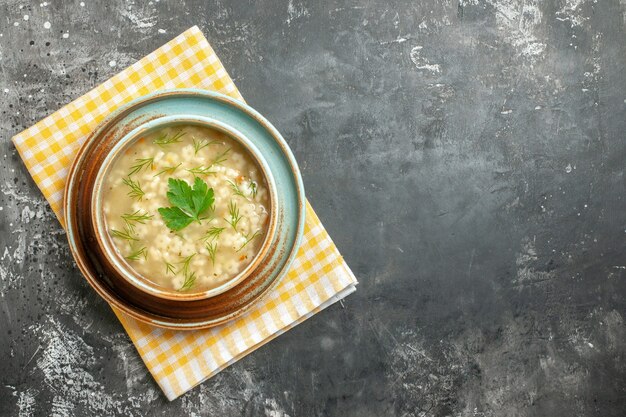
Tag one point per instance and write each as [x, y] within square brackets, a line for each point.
[99, 221]
[76, 244]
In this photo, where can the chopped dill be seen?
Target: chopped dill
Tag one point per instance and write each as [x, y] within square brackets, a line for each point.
[190, 279]
[200, 170]
[220, 158]
[169, 268]
[139, 253]
[200, 144]
[185, 262]
[131, 219]
[236, 189]
[233, 211]
[135, 188]
[212, 248]
[212, 234]
[164, 139]
[249, 239]
[206, 170]
[190, 276]
[253, 188]
[168, 170]
[128, 234]
[141, 163]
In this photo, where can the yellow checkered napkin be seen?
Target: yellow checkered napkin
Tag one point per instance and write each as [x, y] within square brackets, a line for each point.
[179, 360]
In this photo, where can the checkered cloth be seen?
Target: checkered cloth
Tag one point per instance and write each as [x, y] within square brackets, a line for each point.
[179, 360]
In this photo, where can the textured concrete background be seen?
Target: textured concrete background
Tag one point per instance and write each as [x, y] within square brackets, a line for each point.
[468, 158]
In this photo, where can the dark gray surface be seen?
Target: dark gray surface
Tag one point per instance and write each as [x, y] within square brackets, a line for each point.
[468, 159]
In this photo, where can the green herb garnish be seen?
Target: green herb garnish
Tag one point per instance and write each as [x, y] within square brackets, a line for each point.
[249, 239]
[131, 219]
[169, 268]
[199, 144]
[135, 188]
[253, 188]
[190, 276]
[185, 264]
[188, 204]
[164, 139]
[169, 170]
[220, 158]
[233, 211]
[200, 170]
[139, 253]
[128, 234]
[206, 170]
[212, 234]
[236, 189]
[212, 248]
[141, 163]
[190, 279]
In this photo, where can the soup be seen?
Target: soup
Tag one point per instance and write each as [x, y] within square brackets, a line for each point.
[186, 207]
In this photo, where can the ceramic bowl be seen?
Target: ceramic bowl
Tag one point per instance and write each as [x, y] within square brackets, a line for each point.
[106, 248]
[113, 278]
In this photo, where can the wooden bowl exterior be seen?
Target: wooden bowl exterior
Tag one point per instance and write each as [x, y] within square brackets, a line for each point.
[175, 312]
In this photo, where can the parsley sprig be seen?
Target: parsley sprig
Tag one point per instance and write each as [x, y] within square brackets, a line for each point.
[188, 204]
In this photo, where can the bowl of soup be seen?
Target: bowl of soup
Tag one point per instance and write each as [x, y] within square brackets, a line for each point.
[184, 208]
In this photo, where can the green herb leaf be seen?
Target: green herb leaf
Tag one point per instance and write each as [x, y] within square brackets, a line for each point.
[249, 239]
[179, 195]
[137, 216]
[169, 268]
[220, 158]
[188, 203]
[233, 211]
[212, 234]
[142, 163]
[139, 253]
[190, 279]
[201, 196]
[185, 264]
[212, 248]
[199, 144]
[127, 234]
[190, 276]
[200, 170]
[135, 188]
[174, 218]
[169, 170]
[236, 189]
[164, 139]
[131, 219]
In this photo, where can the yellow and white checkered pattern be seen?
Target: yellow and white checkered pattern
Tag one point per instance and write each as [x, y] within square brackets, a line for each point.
[179, 360]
